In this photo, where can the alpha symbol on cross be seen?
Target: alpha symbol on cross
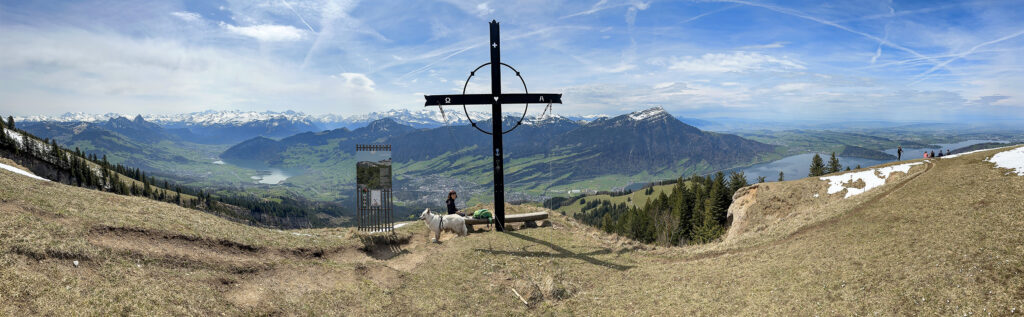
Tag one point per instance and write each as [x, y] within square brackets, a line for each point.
[496, 126]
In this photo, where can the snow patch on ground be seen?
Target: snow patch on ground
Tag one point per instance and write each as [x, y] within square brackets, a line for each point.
[1012, 159]
[872, 178]
[15, 135]
[965, 153]
[19, 171]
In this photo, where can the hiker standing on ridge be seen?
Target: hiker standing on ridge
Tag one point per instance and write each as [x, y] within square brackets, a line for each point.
[899, 153]
[451, 204]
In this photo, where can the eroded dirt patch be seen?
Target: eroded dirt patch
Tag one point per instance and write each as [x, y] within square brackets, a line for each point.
[182, 251]
[226, 246]
[384, 246]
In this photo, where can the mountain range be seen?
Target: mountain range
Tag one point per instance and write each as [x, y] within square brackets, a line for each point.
[546, 156]
[232, 126]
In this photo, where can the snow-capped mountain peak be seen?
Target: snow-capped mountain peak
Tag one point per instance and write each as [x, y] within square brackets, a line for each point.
[72, 117]
[422, 118]
[228, 117]
[652, 113]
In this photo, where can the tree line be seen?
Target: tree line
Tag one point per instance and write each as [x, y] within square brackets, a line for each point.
[819, 168]
[694, 212]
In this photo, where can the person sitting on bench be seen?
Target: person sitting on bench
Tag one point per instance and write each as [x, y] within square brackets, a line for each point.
[451, 204]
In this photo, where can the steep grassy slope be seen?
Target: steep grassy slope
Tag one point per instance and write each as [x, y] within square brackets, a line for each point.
[945, 238]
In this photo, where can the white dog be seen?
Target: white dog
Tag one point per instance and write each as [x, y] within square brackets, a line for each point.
[453, 223]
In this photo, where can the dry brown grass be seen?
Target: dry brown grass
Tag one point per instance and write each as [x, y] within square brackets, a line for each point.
[942, 240]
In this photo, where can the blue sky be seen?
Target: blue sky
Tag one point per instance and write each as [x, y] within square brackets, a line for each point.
[794, 60]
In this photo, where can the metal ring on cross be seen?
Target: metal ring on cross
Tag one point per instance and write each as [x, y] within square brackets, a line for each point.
[525, 109]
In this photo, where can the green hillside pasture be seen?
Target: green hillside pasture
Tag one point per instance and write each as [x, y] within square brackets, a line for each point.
[637, 198]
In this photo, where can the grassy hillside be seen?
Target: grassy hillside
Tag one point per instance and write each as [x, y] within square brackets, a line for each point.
[944, 238]
[637, 198]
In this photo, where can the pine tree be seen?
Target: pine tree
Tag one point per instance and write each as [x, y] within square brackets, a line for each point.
[817, 166]
[146, 190]
[781, 176]
[710, 228]
[10, 122]
[28, 144]
[737, 180]
[761, 179]
[833, 165]
[607, 224]
[683, 211]
[720, 196]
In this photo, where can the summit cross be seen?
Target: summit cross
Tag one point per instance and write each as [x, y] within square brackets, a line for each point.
[495, 99]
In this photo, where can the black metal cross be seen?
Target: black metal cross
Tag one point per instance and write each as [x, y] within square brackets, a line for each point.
[495, 99]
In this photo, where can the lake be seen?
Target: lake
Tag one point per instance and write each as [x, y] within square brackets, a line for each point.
[272, 176]
[264, 174]
[797, 166]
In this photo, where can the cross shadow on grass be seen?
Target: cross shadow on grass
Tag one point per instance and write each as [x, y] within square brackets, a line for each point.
[560, 253]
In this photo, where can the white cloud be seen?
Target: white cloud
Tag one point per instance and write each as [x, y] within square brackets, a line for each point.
[115, 73]
[357, 81]
[187, 16]
[996, 100]
[734, 62]
[267, 32]
[484, 9]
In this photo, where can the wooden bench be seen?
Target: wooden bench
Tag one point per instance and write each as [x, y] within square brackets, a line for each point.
[528, 218]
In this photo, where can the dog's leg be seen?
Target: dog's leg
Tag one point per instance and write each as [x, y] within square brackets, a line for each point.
[437, 233]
